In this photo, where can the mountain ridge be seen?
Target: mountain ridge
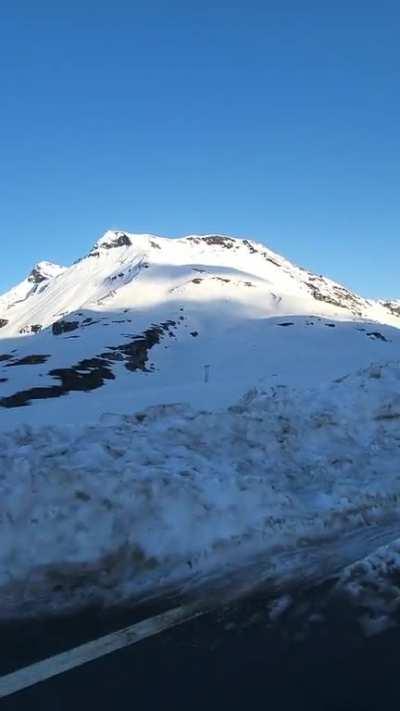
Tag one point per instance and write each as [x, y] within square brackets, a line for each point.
[139, 318]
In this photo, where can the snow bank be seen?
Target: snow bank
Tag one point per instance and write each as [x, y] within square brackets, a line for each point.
[143, 501]
[372, 587]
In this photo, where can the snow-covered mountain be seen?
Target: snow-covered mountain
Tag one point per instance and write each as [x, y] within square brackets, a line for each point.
[143, 320]
[392, 305]
[214, 408]
[36, 282]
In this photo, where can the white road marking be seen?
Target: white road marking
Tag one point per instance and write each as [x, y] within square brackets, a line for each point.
[60, 663]
[323, 559]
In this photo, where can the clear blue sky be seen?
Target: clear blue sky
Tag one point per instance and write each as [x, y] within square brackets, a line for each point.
[275, 120]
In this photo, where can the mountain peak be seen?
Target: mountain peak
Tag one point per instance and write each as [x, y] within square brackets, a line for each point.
[43, 271]
[147, 314]
[113, 239]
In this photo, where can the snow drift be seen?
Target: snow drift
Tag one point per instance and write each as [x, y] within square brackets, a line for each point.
[140, 502]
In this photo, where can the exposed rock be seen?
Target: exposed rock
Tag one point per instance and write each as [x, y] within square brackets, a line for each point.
[249, 246]
[136, 353]
[392, 306]
[36, 276]
[90, 373]
[120, 240]
[3, 322]
[217, 240]
[377, 336]
[30, 360]
[64, 326]
[43, 271]
[31, 328]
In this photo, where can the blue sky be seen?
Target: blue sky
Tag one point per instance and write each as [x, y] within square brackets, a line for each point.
[274, 120]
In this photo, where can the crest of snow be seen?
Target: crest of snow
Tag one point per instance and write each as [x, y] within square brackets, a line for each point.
[41, 272]
[112, 238]
[372, 586]
[46, 270]
[143, 272]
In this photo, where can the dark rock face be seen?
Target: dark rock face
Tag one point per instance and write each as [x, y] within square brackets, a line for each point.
[393, 308]
[90, 373]
[121, 241]
[264, 254]
[64, 326]
[249, 246]
[36, 276]
[286, 323]
[342, 298]
[218, 240]
[3, 322]
[118, 240]
[86, 375]
[226, 242]
[31, 328]
[377, 336]
[135, 354]
[29, 360]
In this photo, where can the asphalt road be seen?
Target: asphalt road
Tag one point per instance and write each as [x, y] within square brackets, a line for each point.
[231, 658]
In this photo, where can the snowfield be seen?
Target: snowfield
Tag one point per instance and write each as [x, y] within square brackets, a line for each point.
[137, 321]
[178, 412]
[155, 499]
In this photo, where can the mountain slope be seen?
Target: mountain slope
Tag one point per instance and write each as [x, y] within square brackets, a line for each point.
[35, 283]
[143, 320]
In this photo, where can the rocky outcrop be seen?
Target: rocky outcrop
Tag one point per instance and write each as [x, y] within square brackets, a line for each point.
[64, 326]
[90, 373]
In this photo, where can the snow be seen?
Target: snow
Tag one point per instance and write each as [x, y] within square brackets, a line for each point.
[261, 426]
[147, 271]
[229, 299]
[372, 587]
[34, 284]
[136, 503]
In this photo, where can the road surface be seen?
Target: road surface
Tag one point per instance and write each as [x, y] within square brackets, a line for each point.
[313, 657]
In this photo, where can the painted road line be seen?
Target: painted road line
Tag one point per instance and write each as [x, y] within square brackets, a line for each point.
[60, 663]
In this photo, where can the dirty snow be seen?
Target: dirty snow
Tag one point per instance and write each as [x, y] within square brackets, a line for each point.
[148, 500]
[372, 587]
